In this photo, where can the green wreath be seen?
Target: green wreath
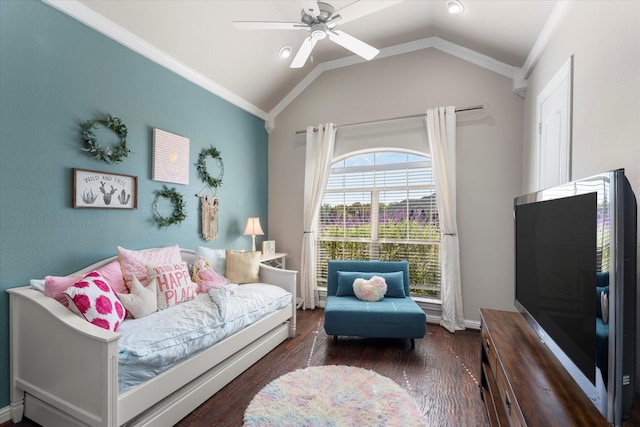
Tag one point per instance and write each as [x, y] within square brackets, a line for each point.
[108, 154]
[201, 165]
[176, 200]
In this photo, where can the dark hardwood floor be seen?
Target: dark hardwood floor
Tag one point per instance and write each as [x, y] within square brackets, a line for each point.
[441, 374]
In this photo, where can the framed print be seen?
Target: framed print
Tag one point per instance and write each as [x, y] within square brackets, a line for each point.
[170, 157]
[269, 247]
[94, 189]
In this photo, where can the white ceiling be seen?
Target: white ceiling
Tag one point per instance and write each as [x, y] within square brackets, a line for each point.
[197, 38]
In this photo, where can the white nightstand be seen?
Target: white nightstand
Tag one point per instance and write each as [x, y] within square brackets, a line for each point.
[275, 260]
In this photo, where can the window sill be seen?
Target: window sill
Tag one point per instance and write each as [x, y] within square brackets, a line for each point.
[429, 305]
[430, 301]
[425, 303]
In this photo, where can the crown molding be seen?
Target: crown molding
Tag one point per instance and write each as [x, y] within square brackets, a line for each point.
[474, 57]
[520, 84]
[518, 75]
[558, 14]
[429, 42]
[94, 20]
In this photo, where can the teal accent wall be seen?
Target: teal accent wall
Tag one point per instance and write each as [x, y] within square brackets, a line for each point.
[56, 73]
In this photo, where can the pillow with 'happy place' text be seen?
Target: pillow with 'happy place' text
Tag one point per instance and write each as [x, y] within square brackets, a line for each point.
[173, 284]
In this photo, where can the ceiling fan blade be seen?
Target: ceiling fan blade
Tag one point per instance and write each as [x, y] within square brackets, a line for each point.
[264, 25]
[303, 52]
[353, 44]
[310, 7]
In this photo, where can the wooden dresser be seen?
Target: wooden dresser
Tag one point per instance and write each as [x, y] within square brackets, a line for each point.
[523, 384]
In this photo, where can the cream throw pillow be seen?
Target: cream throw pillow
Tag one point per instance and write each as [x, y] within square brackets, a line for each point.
[142, 300]
[242, 267]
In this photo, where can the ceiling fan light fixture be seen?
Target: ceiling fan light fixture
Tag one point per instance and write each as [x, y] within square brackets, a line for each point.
[455, 7]
[319, 19]
[285, 52]
[319, 31]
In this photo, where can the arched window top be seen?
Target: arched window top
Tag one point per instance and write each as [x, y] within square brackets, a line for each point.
[380, 158]
[381, 169]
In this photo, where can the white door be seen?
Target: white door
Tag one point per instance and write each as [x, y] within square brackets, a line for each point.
[554, 129]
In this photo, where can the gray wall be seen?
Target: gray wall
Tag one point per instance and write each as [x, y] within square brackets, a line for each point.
[488, 155]
[604, 39]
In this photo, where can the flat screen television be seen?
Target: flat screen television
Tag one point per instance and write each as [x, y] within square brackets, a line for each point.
[575, 282]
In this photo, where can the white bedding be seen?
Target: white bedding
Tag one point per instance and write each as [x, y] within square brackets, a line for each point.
[152, 344]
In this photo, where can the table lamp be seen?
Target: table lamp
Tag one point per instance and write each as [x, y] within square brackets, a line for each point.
[253, 228]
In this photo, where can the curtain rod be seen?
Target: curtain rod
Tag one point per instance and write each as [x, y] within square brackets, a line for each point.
[458, 110]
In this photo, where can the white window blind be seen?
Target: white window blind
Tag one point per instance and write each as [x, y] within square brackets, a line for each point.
[382, 205]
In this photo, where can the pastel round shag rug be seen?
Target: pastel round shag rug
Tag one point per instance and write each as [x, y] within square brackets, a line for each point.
[332, 396]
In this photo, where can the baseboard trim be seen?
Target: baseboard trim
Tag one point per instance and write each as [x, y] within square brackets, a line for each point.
[5, 415]
[472, 324]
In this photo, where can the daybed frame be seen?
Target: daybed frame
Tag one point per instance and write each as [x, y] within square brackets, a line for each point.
[64, 371]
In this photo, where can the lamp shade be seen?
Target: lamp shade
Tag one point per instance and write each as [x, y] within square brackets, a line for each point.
[253, 227]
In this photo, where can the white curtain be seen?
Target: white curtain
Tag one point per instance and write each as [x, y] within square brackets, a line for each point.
[441, 133]
[319, 153]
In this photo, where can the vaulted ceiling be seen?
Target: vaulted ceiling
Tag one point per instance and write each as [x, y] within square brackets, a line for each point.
[197, 38]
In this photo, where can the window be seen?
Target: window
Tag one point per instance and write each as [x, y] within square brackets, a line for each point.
[382, 206]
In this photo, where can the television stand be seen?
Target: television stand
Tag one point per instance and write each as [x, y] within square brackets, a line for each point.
[522, 382]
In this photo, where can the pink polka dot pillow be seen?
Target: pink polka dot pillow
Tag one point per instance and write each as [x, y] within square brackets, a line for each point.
[94, 300]
[370, 290]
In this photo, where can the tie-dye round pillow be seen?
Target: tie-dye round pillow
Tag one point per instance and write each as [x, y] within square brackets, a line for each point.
[370, 290]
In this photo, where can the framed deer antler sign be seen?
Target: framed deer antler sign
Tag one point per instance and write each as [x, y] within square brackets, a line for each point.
[94, 189]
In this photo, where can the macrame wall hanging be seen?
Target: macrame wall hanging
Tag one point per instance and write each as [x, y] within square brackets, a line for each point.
[209, 205]
[209, 212]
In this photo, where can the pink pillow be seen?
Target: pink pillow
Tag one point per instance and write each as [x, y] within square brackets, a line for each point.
[113, 274]
[54, 286]
[173, 283]
[94, 300]
[135, 262]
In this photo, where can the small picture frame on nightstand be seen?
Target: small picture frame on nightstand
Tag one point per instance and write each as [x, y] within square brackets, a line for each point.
[269, 247]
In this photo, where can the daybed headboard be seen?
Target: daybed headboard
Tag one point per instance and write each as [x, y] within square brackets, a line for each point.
[188, 255]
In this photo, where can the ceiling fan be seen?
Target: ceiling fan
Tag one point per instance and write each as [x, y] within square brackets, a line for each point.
[320, 19]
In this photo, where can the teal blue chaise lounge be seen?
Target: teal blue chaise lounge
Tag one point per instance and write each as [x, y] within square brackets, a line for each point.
[396, 316]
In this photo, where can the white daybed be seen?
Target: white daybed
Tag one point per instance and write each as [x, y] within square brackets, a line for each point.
[47, 340]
